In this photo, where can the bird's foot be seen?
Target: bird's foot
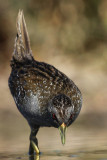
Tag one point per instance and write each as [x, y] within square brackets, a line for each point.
[32, 157]
[35, 147]
[34, 142]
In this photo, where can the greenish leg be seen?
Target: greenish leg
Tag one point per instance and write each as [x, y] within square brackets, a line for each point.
[33, 142]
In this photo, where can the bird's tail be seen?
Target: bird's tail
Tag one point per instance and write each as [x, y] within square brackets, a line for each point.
[22, 50]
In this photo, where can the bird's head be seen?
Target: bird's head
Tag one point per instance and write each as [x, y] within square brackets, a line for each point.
[62, 113]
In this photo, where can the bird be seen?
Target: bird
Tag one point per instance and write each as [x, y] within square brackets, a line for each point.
[45, 96]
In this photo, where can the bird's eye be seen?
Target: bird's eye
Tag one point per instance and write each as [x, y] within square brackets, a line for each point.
[54, 117]
[72, 115]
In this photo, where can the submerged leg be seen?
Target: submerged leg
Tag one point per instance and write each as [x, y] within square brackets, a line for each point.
[33, 141]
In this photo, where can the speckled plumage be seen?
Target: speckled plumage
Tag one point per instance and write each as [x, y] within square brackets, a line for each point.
[39, 89]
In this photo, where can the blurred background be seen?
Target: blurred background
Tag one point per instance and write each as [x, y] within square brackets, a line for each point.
[72, 36]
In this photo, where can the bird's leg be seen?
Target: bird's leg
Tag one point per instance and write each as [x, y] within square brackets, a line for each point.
[33, 142]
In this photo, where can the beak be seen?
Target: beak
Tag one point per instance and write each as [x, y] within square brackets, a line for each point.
[62, 130]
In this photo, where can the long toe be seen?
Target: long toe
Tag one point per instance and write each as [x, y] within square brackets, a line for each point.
[35, 147]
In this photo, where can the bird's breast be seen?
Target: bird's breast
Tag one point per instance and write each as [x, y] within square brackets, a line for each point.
[33, 110]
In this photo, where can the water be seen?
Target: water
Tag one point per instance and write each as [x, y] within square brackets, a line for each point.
[81, 155]
[82, 142]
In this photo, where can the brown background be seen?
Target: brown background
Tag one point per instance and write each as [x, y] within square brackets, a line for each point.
[72, 36]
